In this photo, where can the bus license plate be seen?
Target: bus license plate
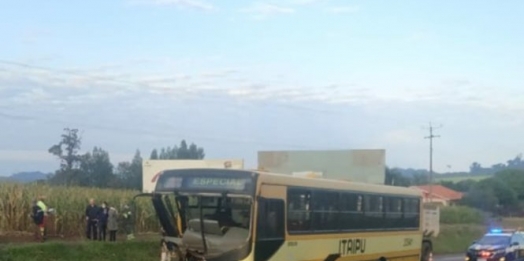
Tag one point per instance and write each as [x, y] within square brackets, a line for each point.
[481, 259]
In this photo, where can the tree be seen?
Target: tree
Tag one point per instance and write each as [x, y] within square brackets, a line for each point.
[475, 167]
[420, 179]
[67, 152]
[461, 186]
[516, 163]
[513, 178]
[130, 173]
[395, 178]
[506, 196]
[96, 169]
[481, 198]
[70, 144]
[183, 151]
[465, 185]
[492, 194]
[154, 155]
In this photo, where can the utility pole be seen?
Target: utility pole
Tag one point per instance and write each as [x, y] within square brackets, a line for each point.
[431, 137]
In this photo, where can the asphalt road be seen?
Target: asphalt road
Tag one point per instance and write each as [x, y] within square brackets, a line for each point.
[456, 257]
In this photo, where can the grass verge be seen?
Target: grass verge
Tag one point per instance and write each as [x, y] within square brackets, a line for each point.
[452, 239]
[455, 239]
[85, 251]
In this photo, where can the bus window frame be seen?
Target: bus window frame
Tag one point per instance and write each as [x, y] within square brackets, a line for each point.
[402, 226]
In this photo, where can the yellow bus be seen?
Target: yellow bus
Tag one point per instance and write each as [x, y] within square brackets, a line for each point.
[233, 215]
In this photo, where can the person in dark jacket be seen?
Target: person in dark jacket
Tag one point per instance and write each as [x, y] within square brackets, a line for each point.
[102, 221]
[91, 214]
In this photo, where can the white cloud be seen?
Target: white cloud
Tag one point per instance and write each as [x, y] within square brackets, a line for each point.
[42, 86]
[194, 4]
[159, 106]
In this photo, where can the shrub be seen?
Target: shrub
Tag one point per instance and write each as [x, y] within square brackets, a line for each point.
[460, 215]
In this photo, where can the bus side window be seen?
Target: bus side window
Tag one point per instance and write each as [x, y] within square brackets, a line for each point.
[411, 213]
[270, 224]
[350, 211]
[298, 210]
[393, 213]
[373, 210]
[325, 206]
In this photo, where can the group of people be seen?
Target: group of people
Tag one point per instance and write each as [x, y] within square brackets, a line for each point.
[103, 219]
[99, 220]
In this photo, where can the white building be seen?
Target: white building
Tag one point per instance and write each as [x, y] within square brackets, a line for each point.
[355, 165]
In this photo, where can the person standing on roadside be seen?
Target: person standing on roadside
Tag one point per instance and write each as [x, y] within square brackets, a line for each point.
[38, 218]
[128, 222]
[102, 221]
[91, 214]
[112, 223]
[42, 226]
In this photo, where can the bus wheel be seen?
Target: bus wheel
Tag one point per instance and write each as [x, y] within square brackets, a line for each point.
[382, 259]
[427, 252]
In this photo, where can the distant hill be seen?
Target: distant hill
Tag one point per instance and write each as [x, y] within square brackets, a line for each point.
[25, 177]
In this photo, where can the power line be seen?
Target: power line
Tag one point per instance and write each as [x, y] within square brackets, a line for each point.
[431, 137]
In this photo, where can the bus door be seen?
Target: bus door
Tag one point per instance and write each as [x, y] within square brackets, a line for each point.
[270, 228]
[164, 211]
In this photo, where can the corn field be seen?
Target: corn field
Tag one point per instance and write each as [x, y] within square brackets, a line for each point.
[69, 204]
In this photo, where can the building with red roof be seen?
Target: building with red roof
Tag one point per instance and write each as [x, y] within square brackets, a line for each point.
[440, 194]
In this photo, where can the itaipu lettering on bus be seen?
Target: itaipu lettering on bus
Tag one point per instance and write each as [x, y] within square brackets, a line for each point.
[351, 246]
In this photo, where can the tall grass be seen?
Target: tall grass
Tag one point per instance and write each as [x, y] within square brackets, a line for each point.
[70, 204]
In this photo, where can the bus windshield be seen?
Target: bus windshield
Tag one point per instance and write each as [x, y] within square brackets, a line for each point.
[214, 210]
[227, 211]
[215, 226]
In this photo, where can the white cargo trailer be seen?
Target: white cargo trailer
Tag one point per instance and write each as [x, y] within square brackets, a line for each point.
[152, 168]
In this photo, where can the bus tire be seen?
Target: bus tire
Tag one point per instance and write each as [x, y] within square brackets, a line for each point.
[382, 259]
[426, 251]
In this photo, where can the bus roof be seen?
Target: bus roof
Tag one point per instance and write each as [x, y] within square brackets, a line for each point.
[320, 183]
[323, 183]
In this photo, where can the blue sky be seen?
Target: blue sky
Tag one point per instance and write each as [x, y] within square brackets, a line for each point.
[241, 76]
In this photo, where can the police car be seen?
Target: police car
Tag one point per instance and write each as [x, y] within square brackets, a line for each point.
[498, 245]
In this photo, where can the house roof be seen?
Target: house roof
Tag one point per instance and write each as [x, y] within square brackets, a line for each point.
[440, 192]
